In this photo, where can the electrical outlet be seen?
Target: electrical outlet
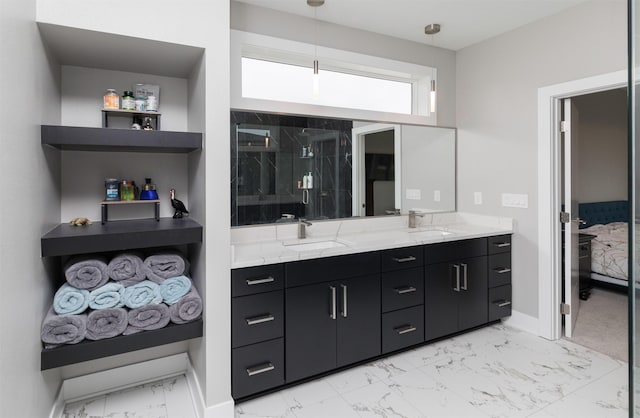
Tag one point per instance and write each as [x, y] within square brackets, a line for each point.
[413, 194]
[477, 198]
[436, 195]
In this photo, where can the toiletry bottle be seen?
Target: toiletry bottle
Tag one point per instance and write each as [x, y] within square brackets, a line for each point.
[305, 182]
[309, 181]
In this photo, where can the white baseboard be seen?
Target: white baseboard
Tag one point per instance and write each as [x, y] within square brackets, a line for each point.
[58, 406]
[524, 322]
[222, 410]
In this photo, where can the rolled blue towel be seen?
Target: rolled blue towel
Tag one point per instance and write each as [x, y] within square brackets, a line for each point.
[106, 323]
[127, 269]
[62, 329]
[174, 288]
[162, 266]
[88, 272]
[111, 295]
[187, 309]
[141, 294]
[148, 317]
[69, 300]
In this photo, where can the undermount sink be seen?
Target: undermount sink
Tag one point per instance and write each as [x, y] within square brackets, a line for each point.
[318, 245]
[431, 233]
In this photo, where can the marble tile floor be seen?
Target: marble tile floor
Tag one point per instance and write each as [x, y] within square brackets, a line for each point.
[496, 371]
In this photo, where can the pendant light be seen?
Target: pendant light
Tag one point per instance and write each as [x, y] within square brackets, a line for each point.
[316, 67]
[432, 29]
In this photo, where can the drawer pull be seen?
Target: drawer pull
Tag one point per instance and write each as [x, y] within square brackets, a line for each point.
[502, 270]
[502, 303]
[465, 279]
[262, 368]
[502, 244]
[404, 259]
[456, 267]
[332, 303]
[253, 282]
[344, 300]
[405, 289]
[260, 319]
[405, 329]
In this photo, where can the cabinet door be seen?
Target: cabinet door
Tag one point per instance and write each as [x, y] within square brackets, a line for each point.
[441, 300]
[310, 330]
[473, 307]
[358, 321]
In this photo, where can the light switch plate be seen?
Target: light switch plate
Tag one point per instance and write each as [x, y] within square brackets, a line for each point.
[477, 198]
[436, 195]
[514, 200]
[413, 194]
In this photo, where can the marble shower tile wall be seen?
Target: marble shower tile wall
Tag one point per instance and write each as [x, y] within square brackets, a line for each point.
[331, 167]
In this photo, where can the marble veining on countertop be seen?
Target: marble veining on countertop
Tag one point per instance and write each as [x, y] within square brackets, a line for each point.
[278, 243]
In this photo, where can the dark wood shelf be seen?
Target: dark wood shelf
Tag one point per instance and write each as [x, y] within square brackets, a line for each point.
[91, 350]
[66, 239]
[108, 139]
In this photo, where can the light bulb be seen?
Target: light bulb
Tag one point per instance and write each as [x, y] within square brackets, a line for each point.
[432, 97]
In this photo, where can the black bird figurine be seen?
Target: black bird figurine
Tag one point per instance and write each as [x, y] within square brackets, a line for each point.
[177, 205]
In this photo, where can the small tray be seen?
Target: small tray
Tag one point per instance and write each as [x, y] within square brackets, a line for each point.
[106, 203]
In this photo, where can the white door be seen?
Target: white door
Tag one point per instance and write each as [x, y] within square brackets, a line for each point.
[570, 173]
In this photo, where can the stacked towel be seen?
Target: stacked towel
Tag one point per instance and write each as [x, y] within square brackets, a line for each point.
[141, 294]
[69, 300]
[127, 269]
[111, 295]
[163, 266]
[148, 317]
[62, 329]
[106, 323]
[86, 273]
[174, 288]
[187, 309]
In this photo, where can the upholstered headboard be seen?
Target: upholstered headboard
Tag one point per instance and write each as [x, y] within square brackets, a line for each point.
[603, 212]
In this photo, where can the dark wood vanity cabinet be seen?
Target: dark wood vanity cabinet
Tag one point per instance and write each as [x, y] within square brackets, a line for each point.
[334, 323]
[499, 248]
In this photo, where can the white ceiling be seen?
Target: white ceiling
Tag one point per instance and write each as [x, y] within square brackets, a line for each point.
[463, 22]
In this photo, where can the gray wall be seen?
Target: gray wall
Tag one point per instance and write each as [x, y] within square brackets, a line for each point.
[602, 146]
[30, 179]
[497, 85]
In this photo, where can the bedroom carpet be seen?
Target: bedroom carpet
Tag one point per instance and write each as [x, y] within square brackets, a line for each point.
[602, 323]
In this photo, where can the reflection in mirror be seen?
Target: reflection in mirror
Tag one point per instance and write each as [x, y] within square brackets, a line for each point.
[286, 167]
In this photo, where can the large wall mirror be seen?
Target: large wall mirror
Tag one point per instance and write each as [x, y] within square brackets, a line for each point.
[285, 167]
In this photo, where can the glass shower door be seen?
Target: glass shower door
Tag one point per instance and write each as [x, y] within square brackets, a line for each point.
[634, 242]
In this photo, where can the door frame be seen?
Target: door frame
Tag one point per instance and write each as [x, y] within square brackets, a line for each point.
[549, 178]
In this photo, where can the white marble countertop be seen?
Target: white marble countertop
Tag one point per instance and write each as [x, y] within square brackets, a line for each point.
[276, 243]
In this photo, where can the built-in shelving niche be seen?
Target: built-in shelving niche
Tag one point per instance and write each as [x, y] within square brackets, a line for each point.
[102, 58]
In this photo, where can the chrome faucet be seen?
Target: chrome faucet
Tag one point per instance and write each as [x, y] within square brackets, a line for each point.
[302, 227]
[412, 217]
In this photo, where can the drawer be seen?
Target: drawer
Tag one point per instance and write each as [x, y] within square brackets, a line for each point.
[499, 244]
[252, 280]
[584, 249]
[402, 328]
[402, 258]
[257, 367]
[499, 302]
[300, 273]
[454, 250]
[257, 318]
[402, 289]
[499, 269]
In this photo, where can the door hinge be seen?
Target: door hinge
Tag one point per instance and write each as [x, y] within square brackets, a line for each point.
[565, 217]
[565, 309]
[563, 126]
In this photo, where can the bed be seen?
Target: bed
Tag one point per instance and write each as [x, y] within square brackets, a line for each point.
[608, 222]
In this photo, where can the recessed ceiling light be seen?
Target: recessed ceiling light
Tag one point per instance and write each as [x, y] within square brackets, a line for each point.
[315, 3]
[431, 29]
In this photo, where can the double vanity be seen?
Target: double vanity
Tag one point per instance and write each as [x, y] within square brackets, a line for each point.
[354, 290]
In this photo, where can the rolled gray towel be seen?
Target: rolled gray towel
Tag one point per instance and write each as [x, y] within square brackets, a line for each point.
[88, 272]
[62, 329]
[148, 317]
[163, 266]
[106, 323]
[187, 309]
[127, 269]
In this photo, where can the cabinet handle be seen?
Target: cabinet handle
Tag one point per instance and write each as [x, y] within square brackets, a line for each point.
[502, 244]
[252, 282]
[502, 303]
[404, 329]
[261, 368]
[464, 276]
[332, 302]
[405, 289]
[404, 259]
[457, 269]
[344, 300]
[260, 319]
[502, 270]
